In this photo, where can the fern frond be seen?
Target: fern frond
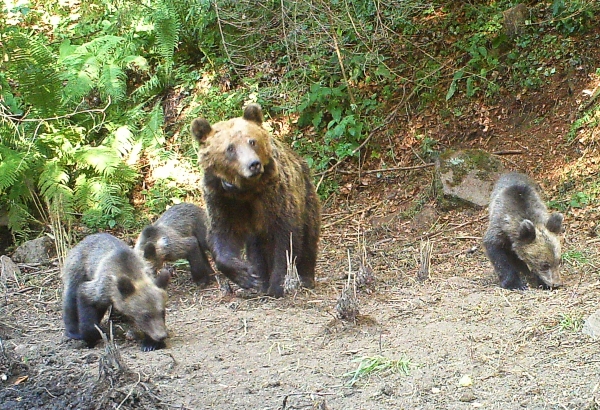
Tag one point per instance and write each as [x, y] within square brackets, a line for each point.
[166, 29]
[35, 68]
[18, 217]
[53, 183]
[152, 132]
[102, 159]
[113, 81]
[149, 87]
[12, 166]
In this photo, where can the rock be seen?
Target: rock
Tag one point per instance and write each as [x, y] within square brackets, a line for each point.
[591, 326]
[514, 20]
[387, 390]
[466, 177]
[8, 269]
[39, 250]
[467, 397]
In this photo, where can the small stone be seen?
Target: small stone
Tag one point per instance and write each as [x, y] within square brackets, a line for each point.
[591, 326]
[435, 390]
[467, 397]
[387, 390]
[8, 270]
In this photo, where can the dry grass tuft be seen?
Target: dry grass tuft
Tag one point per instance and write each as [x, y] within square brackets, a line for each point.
[347, 304]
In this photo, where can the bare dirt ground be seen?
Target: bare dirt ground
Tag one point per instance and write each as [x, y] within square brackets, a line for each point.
[466, 342]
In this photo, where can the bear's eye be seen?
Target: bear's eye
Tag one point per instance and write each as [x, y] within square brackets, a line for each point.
[252, 142]
[545, 266]
[230, 148]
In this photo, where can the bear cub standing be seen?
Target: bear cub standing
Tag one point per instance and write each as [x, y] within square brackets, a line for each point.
[180, 233]
[101, 271]
[258, 193]
[522, 237]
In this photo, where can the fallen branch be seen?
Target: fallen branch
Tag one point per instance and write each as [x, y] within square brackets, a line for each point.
[508, 152]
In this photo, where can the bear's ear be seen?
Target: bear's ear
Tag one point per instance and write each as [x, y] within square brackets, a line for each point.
[554, 223]
[149, 251]
[200, 129]
[163, 278]
[526, 231]
[125, 286]
[253, 113]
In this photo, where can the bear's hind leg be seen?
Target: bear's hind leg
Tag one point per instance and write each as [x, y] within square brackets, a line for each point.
[307, 258]
[70, 316]
[200, 269]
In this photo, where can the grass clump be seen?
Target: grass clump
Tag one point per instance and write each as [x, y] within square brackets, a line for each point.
[377, 365]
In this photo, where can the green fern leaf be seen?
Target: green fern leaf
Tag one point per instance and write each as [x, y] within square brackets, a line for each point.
[102, 159]
[166, 29]
[35, 69]
[53, 183]
[13, 165]
[113, 81]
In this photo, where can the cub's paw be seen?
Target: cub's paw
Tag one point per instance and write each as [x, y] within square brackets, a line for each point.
[514, 285]
[150, 345]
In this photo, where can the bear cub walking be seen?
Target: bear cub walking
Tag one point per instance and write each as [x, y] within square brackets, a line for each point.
[180, 233]
[522, 238]
[258, 192]
[101, 271]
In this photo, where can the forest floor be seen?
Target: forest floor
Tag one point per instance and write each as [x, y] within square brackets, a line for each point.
[455, 340]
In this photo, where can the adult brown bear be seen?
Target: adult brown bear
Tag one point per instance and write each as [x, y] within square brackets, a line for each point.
[258, 192]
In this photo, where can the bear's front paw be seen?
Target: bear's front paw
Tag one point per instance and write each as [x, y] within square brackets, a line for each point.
[150, 345]
[513, 285]
[249, 277]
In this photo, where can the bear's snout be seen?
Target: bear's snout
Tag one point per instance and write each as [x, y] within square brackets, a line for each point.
[255, 168]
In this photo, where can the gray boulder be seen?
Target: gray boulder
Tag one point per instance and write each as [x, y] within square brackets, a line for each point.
[466, 177]
[39, 250]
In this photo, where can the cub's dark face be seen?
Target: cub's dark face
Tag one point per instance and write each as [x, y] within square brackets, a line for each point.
[144, 302]
[237, 150]
[539, 247]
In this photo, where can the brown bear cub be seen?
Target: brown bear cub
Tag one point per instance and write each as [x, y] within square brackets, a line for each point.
[102, 271]
[180, 233]
[522, 237]
[258, 193]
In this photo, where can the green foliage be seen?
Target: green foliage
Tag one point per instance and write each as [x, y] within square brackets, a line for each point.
[163, 194]
[95, 98]
[87, 123]
[32, 65]
[575, 257]
[329, 111]
[428, 145]
[570, 322]
[377, 365]
[570, 17]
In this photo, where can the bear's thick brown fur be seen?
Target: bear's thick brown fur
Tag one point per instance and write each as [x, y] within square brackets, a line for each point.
[102, 271]
[258, 192]
[522, 236]
[179, 233]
